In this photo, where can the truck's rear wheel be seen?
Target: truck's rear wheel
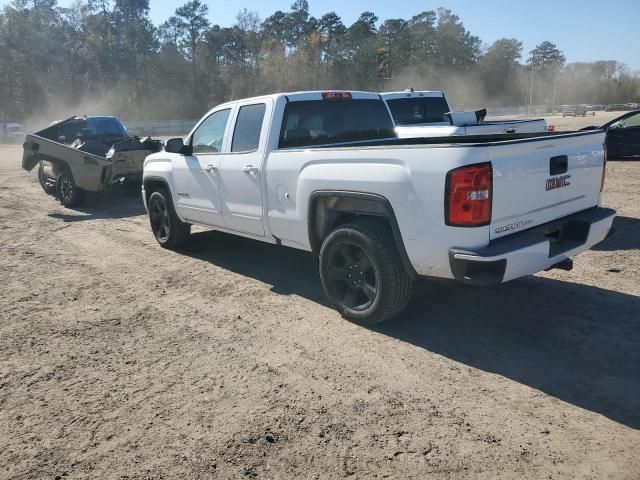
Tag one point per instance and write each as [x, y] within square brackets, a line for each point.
[47, 184]
[69, 194]
[169, 230]
[362, 274]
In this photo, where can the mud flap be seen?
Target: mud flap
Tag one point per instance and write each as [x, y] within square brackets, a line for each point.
[29, 157]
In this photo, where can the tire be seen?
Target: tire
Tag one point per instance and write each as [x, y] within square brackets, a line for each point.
[69, 194]
[169, 231]
[46, 183]
[362, 274]
[132, 188]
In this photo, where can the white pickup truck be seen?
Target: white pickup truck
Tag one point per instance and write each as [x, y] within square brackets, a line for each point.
[324, 172]
[419, 114]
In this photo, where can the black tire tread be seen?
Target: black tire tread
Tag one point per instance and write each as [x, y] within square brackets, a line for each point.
[180, 231]
[48, 189]
[398, 282]
[79, 196]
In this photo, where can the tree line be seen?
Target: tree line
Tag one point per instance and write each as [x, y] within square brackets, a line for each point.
[108, 56]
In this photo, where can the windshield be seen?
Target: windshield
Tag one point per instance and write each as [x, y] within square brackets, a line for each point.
[630, 121]
[417, 110]
[326, 122]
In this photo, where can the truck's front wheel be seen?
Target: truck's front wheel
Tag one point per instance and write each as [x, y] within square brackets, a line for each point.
[169, 230]
[362, 274]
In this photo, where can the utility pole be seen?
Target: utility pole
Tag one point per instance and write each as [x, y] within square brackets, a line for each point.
[555, 74]
[533, 61]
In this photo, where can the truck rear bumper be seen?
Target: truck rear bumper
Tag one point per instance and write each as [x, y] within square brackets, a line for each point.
[533, 250]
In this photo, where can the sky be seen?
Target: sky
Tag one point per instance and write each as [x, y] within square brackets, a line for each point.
[586, 30]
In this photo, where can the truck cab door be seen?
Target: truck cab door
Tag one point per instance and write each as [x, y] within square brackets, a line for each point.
[241, 169]
[623, 137]
[197, 176]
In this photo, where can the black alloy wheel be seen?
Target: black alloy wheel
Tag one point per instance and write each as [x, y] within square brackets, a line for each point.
[352, 277]
[168, 229]
[361, 272]
[159, 217]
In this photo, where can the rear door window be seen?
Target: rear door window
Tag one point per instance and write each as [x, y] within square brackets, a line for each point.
[246, 135]
[413, 111]
[326, 122]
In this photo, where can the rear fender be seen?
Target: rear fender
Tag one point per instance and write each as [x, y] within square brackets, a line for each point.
[327, 205]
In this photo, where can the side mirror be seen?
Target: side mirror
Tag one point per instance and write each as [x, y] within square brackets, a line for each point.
[176, 145]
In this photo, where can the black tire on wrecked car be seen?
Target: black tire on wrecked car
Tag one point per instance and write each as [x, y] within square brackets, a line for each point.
[132, 188]
[47, 185]
[362, 273]
[69, 194]
[167, 228]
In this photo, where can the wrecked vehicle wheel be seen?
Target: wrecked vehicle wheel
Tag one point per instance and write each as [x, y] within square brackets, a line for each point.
[47, 184]
[169, 230]
[132, 188]
[68, 193]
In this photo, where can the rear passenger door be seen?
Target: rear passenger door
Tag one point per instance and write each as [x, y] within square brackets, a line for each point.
[241, 169]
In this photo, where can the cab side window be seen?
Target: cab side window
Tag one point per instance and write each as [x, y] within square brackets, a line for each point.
[209, 135]
[246, 135]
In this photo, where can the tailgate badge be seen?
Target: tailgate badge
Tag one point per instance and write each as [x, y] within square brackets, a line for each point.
[512, 226]
[558, 182]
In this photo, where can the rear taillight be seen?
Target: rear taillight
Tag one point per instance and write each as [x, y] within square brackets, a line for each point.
[468, 195]
[604, 167]
[551, 128]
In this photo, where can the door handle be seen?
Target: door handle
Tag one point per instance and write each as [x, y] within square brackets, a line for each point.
[510, 130]
[211, 168]
[558, 165]
[250, 169]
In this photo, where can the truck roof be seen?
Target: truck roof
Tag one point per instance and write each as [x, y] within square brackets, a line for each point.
[304, 96]
[412, 94]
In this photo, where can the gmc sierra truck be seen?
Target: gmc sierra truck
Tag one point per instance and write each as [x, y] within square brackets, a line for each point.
[420, 114]
[325, 172]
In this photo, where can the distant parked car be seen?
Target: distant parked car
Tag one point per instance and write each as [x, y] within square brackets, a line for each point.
[11, 133]
[574, 111]
[617, 107]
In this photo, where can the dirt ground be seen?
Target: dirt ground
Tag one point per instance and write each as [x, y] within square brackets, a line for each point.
[119, 359]
[570, 123]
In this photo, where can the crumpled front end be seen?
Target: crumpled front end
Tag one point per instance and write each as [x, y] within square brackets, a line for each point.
[127, 157]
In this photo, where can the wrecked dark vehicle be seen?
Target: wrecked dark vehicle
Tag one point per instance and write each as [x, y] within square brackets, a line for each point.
[86, 154]
[623, 136]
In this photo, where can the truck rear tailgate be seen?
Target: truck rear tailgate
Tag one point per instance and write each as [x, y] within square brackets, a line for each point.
[539, 180]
